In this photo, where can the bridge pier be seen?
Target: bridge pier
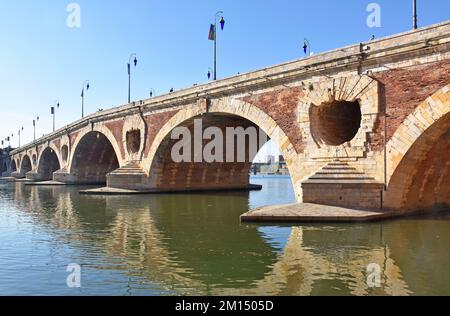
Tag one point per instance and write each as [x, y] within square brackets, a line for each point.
[339, 184]
[75, 179]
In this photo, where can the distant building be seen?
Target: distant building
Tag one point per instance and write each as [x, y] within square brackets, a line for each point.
[270, 159]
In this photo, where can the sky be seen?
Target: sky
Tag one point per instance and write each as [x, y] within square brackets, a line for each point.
[43, 59]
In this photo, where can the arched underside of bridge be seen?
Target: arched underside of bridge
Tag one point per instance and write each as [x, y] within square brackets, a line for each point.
[220, 164]
[25, 166]
[422, 179]
[93, 159]
[48, 164]
[13, 166]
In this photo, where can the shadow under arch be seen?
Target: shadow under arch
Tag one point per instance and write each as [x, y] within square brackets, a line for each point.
[420, 166]
[93, 158]
[48, 163]
[25, 165]
[13, 165]
[225, 113]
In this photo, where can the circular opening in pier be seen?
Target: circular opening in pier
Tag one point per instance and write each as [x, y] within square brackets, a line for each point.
[337, 122]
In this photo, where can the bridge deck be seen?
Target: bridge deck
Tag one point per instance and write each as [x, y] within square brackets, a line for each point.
[305, 212]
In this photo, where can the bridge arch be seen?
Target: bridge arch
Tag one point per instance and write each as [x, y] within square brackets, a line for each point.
[94, 155]
[25, 165]
[229, 111]
[418, 163]
[12, 166]
[48, 163]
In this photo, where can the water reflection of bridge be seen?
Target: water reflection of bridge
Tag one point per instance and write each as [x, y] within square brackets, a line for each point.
[152, 245]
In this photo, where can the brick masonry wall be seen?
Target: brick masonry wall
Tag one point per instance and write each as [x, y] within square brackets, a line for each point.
[116, 128]
[402, 91]
[282, 105]
[154, 124]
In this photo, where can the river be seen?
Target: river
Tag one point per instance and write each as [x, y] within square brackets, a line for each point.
[180, 244]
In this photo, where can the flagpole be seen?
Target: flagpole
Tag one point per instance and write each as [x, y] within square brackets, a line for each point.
[215, 42]
[85, 84]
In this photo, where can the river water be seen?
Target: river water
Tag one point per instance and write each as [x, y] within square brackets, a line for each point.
[195, 245]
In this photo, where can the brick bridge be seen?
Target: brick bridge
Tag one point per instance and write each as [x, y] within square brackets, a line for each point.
[366, 125]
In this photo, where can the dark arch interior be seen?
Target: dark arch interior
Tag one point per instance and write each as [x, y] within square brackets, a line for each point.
[94, 158]
[336, 123]
[168, 175]
[13, 166]
[48, 164]
[26, 165]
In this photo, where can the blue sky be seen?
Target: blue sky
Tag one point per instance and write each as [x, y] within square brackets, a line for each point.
[43, 60]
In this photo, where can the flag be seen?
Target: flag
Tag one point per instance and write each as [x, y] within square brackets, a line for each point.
[82, 93]
[212, 33]
[52, 110]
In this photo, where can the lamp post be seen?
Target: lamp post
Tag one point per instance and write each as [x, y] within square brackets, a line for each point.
[19, 132]
[53, 111]
[86, 85]
[415, 14]
[129, 74]
[307, 47]
[213, 37]
[210, 71]
[35, 120]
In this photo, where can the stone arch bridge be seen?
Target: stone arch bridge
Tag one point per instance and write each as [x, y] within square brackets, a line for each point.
[366, 125]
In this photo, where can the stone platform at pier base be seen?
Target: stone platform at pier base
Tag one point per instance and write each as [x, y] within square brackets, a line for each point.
[314, 213]
[115, 191]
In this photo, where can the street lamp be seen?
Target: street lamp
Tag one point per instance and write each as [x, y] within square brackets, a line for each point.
[20, 130]
[87, 86]
[210, 71]
[53, 111]
[129, 74]
[35, 120]
[307, 47]
[213, 37]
